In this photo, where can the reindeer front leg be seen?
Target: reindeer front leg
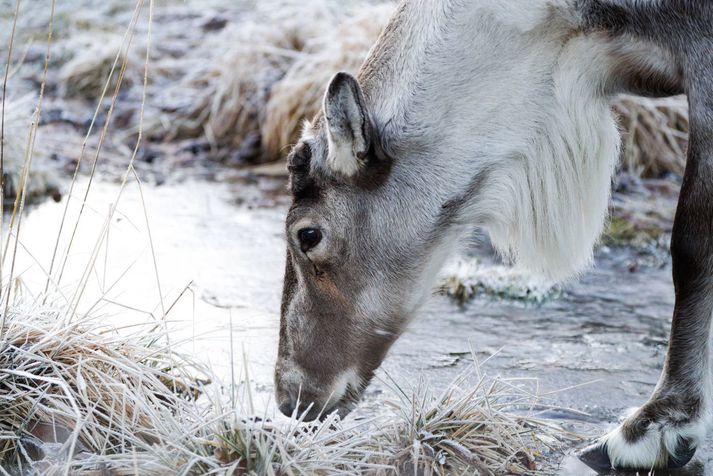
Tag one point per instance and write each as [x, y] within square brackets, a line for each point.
[666, 431]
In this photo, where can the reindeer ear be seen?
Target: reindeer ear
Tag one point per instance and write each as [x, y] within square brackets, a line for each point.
[348, 125]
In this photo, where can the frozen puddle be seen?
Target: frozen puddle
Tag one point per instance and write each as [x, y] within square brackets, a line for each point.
[217, 266]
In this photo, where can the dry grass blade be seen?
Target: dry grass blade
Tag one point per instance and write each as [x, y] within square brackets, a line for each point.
[11, 43]
[23, 187]
[118, 60]
[122, 70]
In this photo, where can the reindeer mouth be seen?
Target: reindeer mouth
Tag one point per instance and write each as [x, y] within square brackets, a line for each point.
[341, 407]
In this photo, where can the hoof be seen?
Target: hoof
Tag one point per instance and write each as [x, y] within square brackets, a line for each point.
[685, 450]
[596, 457]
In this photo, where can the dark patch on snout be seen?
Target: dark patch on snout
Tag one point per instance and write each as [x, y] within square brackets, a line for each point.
[326, 349]
[288, 291]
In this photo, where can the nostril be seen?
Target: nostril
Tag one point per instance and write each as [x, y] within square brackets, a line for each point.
[287, 408]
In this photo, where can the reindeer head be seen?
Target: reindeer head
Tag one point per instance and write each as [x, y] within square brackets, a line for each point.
[353, 276]
[444, 135]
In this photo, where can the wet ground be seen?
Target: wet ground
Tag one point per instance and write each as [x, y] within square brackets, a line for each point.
[592, 353]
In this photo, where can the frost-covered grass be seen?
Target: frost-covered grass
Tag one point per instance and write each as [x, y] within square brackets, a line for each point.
[77, 397]
[467, 279]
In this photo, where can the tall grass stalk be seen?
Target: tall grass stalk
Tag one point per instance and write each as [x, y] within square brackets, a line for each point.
[19, 205]
[11, 44]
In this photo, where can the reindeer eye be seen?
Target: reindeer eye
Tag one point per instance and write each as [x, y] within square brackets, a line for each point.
[309, 238]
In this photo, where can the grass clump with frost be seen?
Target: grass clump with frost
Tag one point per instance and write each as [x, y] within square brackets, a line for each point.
[471, 427]
[80, 398]
[466, 280]
[655, 134]
[260, 79]
[93, 59]
[76, 391]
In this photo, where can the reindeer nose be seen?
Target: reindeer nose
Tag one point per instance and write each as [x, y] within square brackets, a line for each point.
[287, 408]
[295, 395]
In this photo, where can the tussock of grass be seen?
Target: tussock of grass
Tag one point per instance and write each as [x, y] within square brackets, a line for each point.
[472, 427]
[655, 134]
[81, 398]
[86, 73]
[298, 95]
[469, 428]
[78, 389]
[231, 93]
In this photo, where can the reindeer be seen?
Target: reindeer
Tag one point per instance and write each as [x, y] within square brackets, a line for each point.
[494, 113]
